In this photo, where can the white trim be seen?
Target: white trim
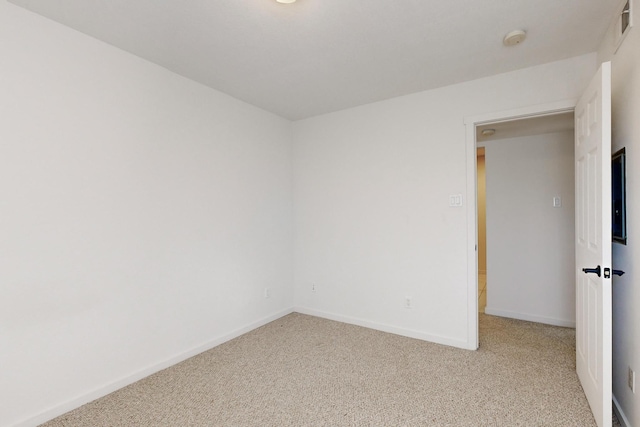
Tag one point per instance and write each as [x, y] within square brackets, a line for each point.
[384, 328]
[522, 113]
[473, 334]
[69, 405]
[624, 421]
[530, 317]
[472, 207]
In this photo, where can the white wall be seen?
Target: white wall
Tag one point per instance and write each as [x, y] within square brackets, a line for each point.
[142, 216]
[530, 244]
[371, 201]
[626, 292]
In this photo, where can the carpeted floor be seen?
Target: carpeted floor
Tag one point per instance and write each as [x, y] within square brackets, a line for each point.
[306, 371]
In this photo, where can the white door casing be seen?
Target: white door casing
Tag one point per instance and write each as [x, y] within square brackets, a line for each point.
[593, 243]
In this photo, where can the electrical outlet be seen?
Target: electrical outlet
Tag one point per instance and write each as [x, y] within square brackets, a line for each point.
[408, 303]
[267, 293]
[632, 380]
[313, 287]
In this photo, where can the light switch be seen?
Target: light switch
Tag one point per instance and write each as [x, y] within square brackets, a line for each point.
[455, 200]
[557, 202]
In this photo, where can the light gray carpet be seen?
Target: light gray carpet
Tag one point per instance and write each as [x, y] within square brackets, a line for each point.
[306, 371]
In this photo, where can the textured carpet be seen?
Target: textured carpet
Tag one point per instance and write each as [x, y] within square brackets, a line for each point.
[306, 371]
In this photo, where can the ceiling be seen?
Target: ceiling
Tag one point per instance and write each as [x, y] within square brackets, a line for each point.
[559, 122]
[317, 56]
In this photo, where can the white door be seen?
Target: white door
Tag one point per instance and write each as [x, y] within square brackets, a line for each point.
[593, 243]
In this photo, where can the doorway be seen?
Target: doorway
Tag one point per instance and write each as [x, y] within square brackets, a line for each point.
[515, 128]
[526, 267]
[482, 229]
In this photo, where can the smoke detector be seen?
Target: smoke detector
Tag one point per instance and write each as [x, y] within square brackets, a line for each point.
[514, 37]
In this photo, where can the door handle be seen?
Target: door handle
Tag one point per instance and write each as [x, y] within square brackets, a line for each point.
[618, 272]
[592, 270]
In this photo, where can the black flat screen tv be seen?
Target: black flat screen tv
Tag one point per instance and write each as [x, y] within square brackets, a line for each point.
[618, 198]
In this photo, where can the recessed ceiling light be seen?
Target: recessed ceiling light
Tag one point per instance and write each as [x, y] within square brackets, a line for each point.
[514, 37]
[286, 1]
[488, 132]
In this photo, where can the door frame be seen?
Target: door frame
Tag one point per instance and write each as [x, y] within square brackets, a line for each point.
[471, 122]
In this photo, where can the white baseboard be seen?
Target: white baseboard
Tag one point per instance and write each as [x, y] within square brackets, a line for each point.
[530, 317]
[386, 328]
[624, 422]
[101, 391]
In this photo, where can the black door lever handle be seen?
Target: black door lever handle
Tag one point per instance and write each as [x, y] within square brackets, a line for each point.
[592, 270]
[598, 271]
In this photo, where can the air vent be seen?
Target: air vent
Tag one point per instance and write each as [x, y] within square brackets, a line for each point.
[624, 22]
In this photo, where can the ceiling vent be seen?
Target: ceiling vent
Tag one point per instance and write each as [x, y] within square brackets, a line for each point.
[624, 22]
